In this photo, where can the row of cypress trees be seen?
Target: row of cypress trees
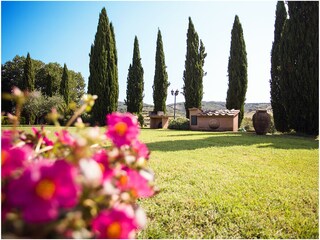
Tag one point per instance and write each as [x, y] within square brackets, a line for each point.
[295, 68]
[103, 72]
[193, 75]
[103, 79]
[237, 70]
[135, 83]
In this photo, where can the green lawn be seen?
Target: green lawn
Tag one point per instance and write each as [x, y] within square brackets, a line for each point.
[232, 185]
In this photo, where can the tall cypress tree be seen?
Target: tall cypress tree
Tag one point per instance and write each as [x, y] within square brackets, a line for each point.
[135, 83]
[64, 85]
[49, 85]
[279, 112]
[114, 69]
[300, 66]
[200, 74]
[28, 85]
[103, 79]
[193, 73]
[160, 84]
[28, 76]
[237, 70]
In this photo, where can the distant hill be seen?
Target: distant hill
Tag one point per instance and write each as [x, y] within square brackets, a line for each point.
[249, 108]
[123, 108]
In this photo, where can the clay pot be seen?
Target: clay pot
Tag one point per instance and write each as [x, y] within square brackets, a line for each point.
[214, 124]
[261, 122]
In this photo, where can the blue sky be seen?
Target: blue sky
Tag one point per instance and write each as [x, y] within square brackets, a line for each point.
[64, 31]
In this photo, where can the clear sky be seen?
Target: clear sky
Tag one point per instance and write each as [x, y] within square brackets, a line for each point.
[64, 31]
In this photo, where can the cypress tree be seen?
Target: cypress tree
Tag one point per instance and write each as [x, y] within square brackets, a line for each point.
[160, 84]
[28, 85]
[237, 70]
[114, 69]
[135, 83]
[129, 101]
[49, 85]
[299, 49]
[103, 79]
[28, 76]
[64, 85]
[193, 73]
[199, 67]
[279, 112]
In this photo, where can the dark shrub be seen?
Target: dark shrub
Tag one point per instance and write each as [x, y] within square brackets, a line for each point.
[23, 121]
[179, 124]
[86, 117]
[141, 119]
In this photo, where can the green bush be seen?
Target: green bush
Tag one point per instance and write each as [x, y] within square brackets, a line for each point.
[5, 120]
[272, 128]
[179, 124]
[140, 119]
[247, 124]
[23, 121]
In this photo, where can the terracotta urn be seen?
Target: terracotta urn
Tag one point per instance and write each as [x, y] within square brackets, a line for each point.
[261, 122]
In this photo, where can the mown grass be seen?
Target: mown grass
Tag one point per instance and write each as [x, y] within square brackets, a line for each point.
[231, 185]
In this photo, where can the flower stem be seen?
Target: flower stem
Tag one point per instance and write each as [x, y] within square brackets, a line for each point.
[75, 115]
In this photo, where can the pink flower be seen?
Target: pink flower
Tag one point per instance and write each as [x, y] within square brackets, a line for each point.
[122, 128]
[101, 157]
[12, 158]
[40, 133]
[42, 189]
[135, 212]
[140, 149]
[135, 184]
[114, 224]
[6, 138]
[66, 138]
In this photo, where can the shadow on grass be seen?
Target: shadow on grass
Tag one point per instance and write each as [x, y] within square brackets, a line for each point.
[234, 139]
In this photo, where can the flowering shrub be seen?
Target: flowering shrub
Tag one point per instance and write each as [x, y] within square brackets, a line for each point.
[78, 185]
